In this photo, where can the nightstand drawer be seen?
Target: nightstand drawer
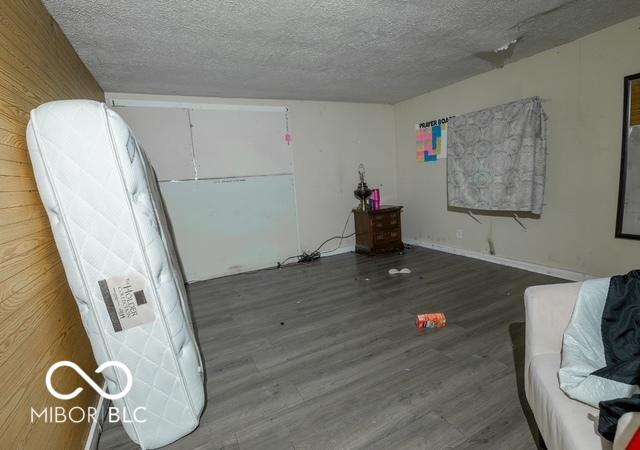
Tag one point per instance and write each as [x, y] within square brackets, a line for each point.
[385, 220]
[386, 236]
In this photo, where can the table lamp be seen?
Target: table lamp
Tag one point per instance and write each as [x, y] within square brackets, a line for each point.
[363, 192]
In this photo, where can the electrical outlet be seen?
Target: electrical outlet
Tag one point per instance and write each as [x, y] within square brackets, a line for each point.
[459, 235]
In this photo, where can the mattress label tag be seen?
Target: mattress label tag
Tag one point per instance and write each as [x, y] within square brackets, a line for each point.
[126, 302]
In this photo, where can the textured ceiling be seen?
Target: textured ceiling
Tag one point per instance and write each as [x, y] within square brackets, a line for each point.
[349, 50]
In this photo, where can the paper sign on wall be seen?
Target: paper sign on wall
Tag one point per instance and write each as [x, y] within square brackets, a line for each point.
[431, 140]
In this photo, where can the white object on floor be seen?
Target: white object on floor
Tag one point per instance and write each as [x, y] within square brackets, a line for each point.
[396, 271]
[109, 226]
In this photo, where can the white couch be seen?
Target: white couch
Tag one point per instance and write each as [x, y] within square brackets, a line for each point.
[565, 424]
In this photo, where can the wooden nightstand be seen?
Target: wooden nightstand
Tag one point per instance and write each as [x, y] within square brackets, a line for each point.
[378, 230]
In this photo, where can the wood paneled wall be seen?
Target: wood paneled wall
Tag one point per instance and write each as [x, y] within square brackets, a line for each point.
[39, 321]
[635, 103]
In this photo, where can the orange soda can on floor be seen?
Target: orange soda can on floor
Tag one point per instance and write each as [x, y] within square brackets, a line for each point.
[431, 320]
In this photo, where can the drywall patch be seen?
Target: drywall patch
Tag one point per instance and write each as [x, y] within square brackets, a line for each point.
[501, 55]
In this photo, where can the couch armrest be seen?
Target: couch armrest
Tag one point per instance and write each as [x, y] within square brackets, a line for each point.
[628, 425]
[548, 312]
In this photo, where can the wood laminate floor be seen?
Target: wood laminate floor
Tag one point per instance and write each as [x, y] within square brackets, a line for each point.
[326, 356]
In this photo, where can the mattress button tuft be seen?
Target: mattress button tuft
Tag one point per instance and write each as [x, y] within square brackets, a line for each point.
[53, 217]
[164, 276]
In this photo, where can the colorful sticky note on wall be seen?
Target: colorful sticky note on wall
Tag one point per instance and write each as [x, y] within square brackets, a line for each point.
[422, 136]
[431, 138]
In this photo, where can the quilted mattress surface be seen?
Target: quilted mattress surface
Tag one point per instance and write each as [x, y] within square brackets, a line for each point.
[103, 204]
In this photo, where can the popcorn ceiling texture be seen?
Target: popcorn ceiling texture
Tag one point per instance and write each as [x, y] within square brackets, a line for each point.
[347, 50]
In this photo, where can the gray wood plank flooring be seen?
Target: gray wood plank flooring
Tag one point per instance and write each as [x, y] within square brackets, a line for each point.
[326, 356]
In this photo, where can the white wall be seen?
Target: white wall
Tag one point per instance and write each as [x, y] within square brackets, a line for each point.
[237, 167]
[229, 226]
[583, 81]
[330, 139]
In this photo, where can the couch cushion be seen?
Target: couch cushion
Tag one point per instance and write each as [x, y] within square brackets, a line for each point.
[565, 424]
[600, 345]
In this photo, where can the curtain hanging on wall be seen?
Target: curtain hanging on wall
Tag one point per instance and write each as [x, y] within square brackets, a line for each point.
[497, 158]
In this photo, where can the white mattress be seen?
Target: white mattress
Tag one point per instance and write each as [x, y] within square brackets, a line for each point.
[106, 215]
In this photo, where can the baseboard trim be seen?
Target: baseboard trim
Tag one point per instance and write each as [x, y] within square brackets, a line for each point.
[340, 251]
[96, 426]
[531, 267]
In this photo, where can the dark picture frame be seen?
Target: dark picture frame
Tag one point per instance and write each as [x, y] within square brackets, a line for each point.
[626, 125]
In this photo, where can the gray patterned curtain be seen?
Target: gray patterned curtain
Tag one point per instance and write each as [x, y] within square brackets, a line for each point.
[497, 158]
